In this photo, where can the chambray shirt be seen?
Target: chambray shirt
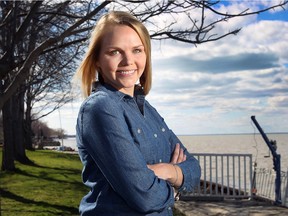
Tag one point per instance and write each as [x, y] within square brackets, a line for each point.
[117, 136]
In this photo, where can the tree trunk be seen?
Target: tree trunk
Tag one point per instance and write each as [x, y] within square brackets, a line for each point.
[28, 132]
[18, 128]
[8, 147]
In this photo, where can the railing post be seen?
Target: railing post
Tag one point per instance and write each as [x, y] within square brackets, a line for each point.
[277, 164]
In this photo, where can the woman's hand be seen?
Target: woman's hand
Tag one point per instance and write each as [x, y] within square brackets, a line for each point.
[178, 155]
[169, 171]
[162, 170]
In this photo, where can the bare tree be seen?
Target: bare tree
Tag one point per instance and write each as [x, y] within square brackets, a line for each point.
[202, 17]
[48, 86]
[18, 64]
[42, 43]
[35, 33]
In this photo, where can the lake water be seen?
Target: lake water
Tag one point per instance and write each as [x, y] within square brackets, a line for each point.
[238, 144]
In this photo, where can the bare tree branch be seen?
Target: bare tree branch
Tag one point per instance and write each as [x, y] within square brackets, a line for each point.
[23, 71]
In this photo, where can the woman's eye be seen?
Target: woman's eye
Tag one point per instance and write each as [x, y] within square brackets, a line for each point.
[114, 52]
[137, 50]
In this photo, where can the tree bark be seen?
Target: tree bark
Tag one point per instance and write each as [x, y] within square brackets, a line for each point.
[27, 124]
[8, 148]
[18, 128]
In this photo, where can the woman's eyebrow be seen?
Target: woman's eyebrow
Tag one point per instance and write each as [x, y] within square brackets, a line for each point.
[116, 47]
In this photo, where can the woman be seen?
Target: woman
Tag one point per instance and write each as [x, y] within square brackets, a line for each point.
[133, 164]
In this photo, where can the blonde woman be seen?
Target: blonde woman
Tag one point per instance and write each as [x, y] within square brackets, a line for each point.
[132, 162]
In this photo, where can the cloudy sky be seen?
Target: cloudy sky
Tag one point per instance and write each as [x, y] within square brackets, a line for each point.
[216, 87]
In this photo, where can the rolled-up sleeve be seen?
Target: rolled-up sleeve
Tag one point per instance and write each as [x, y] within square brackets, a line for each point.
[106, 136]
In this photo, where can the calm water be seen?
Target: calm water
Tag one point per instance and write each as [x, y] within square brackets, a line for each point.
[240, 144]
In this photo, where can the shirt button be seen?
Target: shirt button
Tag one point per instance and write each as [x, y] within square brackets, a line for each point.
[169, 208]
[139, 130]
[163, 129]
[155, 135]
[160, 160]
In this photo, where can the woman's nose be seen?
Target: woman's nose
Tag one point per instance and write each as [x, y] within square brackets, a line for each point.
[127, 59]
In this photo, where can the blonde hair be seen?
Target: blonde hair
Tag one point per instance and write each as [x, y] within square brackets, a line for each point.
[87, 71]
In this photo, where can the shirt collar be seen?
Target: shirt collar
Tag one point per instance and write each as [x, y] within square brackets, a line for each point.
[138, 90]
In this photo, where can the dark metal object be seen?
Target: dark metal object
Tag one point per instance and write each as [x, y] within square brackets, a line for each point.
[276, 161]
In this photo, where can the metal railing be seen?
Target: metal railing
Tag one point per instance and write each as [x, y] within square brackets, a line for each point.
[224, 176]
[265, 185]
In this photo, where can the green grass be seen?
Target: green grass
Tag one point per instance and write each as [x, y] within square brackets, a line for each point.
[52, 186]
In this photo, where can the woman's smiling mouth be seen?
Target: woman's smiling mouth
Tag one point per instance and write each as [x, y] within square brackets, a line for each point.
[126, 72]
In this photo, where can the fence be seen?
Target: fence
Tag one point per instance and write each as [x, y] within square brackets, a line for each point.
[265, 185]
[224, 175]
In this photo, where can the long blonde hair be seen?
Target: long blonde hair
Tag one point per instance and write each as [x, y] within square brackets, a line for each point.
[87, 70]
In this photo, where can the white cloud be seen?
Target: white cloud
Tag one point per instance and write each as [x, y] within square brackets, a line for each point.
[225, 82]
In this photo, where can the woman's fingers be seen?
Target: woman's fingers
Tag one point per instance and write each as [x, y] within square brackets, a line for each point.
[178, 155]
[175, 154]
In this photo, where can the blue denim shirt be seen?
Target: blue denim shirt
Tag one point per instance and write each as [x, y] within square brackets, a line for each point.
[117, 136]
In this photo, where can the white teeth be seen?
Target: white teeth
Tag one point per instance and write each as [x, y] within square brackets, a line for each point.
[127, 72]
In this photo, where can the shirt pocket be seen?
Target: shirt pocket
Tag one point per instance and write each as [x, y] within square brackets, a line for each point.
[144, 143]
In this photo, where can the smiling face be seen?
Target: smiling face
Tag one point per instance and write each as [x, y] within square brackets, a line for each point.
[122, 58]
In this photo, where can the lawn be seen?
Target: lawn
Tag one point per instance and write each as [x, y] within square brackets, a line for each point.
[52, 186]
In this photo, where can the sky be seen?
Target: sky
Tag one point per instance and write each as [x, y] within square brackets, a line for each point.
[215, 87]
